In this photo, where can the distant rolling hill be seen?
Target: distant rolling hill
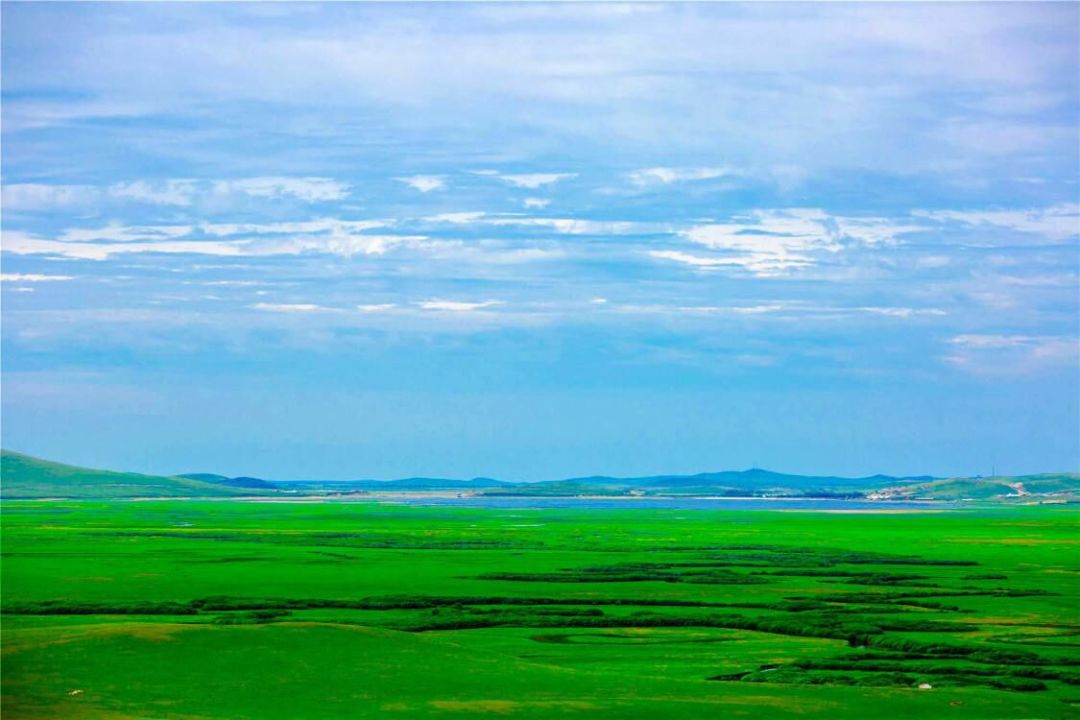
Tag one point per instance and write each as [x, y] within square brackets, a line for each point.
[1017, 488]
[236, 482]
[24, 476]
[758, 482]
[754, 479]
[412, 484]
[727, 482]
[755, 482]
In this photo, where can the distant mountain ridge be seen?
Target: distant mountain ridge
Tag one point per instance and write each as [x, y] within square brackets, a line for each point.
[411, 483]
[754, 482]
[24, 476]
[237, 482]
[756, 478]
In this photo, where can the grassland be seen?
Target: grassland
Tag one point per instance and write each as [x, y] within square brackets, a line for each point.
[227, 609]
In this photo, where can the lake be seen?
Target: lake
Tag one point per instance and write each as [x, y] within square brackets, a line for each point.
[672, 503]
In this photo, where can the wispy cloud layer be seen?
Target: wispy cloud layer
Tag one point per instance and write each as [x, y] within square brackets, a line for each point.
[171, 192]
[457, 305]
[535, 180]
[33, 277]
[1056, 223]
[290, 307]
[666, 176]
[1012, 354]
[660, 197]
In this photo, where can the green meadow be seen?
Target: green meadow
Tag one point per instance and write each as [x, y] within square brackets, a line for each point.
[233, 609]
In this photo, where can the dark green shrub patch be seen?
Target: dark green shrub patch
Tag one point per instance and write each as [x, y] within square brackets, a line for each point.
[223, 603]
[538, 611]
[401, 541]
[899, 664]
[851, 576]
[776, 554]
[632, 573]
[887, 674]
[990, 656]
[63, 607]
[254, 617]
[1018, 684]
[918, 598]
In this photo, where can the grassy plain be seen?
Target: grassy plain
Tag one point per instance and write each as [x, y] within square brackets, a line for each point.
[226, 609]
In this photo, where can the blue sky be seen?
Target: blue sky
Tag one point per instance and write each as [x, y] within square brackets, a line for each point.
[531, 241]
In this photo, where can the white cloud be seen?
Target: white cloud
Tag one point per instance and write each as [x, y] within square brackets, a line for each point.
[536, 203]
[667, 175]
[1058, 222]
[873, 230]
[177, 192]
[703, 310]
[423, 183]
[125, 233]
[329, 237]
[688, 259]
[27, 244]
[344, 244]
[1040, 280]
[533, 181]
[308, 189]
[993, 342]
[903, 312]
[762, 262]
[37, 196]
[787, 309]
[753, 309]
[798, 229]
[376, 307]
[769, 242]
[291, 307]
[323, 225]
[563, 226]
[457, 218]
[33, 277]
[932, 262]
[337, 237]
[1012, 354]
[575, 226]
[457, 306]
[231, 283]
[510, 256]
[169, 192]
[759, 242]
[771, 233]
[645, 72]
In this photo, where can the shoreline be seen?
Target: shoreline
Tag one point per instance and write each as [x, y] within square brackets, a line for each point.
[827, 505]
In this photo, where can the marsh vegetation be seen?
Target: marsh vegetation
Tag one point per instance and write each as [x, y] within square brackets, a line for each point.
[810, 614]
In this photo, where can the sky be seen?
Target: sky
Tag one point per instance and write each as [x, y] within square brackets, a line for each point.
[532, 241]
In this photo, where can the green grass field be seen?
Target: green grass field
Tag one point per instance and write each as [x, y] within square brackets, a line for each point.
[226, 609]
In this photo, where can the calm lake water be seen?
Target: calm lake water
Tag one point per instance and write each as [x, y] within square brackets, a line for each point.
[670, 503]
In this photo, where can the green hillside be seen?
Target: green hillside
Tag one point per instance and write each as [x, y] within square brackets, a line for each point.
[23, 476]
[1019, 488]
